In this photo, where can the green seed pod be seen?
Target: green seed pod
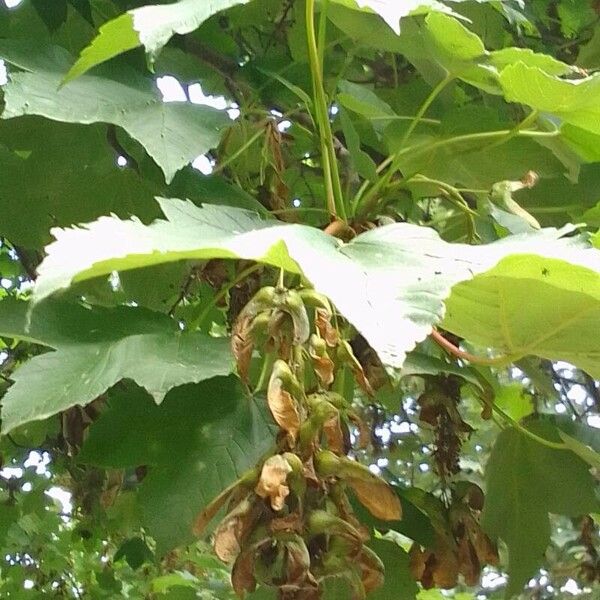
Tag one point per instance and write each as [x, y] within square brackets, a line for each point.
[295, 479]
[320, 521]
[282, 371]
[327, 463]
[312, 298]
[317, 346]
[291, 302]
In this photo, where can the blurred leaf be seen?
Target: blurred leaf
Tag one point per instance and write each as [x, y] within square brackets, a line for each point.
[526, 481]
[130, 101]
[202, 438]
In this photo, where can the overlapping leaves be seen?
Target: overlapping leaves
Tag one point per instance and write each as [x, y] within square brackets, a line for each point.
[526, 481]
[201, 439]
[390, 283]
[94, 350]
[173, 133]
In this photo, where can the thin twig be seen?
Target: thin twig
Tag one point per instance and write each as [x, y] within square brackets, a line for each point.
[458, 353]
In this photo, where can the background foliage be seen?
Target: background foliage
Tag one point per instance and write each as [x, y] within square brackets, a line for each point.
[433, 169]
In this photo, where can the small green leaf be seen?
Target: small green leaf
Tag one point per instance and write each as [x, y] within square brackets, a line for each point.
[114, 38]
[151, 26]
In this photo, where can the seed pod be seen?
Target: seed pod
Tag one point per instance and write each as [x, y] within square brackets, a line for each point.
[291, 302]
[324, 327]
[321, 411]
[296, 479]
[282, 404]
[321, 521]
[322, 364]
[327, 463]
[272, 482]
[346, 355]
[312, 298]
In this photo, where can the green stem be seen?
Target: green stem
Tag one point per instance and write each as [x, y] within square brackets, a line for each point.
[526, 432]
[530, 119]
[497, 361]
[335, 200]
[322, 33]
[435, 92]
[368, 203]
[239, 151]
[405, 118]
[299, 210]
[450, 193]
[264, 373]
[454, 194]
[418, 118]
[196, 324]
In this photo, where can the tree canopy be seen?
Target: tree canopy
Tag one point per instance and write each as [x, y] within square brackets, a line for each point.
[300, 299]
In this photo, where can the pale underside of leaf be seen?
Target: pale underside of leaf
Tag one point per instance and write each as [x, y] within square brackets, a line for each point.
[149, 26]
[392, 11]
[390, 283]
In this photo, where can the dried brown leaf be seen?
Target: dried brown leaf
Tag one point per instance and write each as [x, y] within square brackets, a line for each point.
[242, 345]
[292, 522]
[364, 432]
[324, 367]
[378, 497]
[232, 531]
[242, 573]
[209, 512]
[226, 542]
[470, 568]
[283, 407]
[334, 436]
[418, 561]
[272, 482]
[484, 548]
[325, 328]
[445, 566]
[356, 368]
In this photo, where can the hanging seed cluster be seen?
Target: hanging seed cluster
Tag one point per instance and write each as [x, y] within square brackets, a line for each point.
[461, 547]
[290, 525]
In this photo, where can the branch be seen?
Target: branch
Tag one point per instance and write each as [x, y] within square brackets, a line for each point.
[458, 353]
[226, 67]
[29, 261]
